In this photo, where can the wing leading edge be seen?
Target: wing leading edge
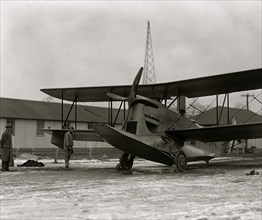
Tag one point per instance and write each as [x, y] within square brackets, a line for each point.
[222, 133]
[204, 86]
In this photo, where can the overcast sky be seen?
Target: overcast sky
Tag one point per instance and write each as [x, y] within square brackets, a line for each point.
[48, 44]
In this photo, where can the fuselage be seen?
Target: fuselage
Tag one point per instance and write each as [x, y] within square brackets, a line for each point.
[150, 121]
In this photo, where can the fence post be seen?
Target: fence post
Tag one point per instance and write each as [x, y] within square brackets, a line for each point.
[56, 155]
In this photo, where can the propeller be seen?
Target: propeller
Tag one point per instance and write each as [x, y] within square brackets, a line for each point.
[132, 96]
[133, 91]
[135, 84]
[116, 97]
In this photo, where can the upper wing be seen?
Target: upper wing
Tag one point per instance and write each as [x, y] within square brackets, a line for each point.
[204, 86]
[222, 133]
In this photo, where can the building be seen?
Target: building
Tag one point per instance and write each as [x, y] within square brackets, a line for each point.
[29, 117]
[241, 116]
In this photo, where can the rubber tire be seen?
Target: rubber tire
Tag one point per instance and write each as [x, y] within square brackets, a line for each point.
[126, 162]
[180, 162]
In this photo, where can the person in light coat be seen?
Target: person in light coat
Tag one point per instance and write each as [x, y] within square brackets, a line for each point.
[7, 148]
[68, 145]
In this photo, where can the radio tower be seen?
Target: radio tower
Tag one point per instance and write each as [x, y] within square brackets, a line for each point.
[149, 68]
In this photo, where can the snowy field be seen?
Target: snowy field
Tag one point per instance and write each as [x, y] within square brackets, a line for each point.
[94, 190]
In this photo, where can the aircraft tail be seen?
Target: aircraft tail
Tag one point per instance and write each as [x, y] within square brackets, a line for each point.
[78, 135]
[58, 139]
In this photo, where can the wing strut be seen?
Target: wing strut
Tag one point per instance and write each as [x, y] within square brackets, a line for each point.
[228, 117]
[76, 113]
[118, 112]
[64, 122]
[219, 115]
[62, 109]
[74, 103]
[110, 112]
[172, 102]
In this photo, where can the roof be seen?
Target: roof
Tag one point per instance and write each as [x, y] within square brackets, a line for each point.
[39, 110]
[242, 116]
[203, 86]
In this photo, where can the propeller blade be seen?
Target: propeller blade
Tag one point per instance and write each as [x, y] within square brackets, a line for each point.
[124, 124]
[116, 97]
[135, 83]
[131, 97]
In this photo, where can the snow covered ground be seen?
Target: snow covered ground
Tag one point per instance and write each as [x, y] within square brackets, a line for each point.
[94, 190]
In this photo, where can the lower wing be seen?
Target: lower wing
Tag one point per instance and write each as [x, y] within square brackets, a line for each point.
[221, 133]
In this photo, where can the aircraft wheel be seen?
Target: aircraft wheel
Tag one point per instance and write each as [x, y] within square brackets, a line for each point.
[180, 162]
[118, 166]
[126, 162]
[207, 163]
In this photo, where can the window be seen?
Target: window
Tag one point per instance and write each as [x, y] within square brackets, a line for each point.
[90, 126]
[12, 122]
[39, 126]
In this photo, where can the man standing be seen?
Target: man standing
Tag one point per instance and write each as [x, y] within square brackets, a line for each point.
[6, 148]
[68, 145]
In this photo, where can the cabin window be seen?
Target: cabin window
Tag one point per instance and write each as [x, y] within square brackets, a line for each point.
[12, 122]
[39, 126]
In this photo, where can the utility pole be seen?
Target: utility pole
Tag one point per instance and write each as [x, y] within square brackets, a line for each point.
[149, 76]
[247, 99]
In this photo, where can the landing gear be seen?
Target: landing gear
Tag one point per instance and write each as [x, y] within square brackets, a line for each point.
[125, 162]
[207, 162]
[180, 161]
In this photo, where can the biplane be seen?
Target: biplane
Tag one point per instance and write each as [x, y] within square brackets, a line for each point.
[152, 130]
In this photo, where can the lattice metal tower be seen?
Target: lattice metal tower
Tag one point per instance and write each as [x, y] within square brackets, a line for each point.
[149, 68]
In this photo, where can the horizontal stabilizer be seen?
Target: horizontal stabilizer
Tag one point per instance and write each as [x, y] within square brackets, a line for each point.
[221, 133]
[79, 135]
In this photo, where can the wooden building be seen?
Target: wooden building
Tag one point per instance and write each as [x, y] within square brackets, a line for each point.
[29, 117]
[224, 115]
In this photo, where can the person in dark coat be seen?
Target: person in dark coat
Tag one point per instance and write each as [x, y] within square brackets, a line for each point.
[68, 145]
[7, 148]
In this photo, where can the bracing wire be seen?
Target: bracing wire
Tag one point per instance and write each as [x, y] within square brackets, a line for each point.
[181, 115]
[202, 112]
[255, 113]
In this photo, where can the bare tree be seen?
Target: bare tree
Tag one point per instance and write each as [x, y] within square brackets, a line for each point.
[239, 105]
[195, 108]
[48, 99]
